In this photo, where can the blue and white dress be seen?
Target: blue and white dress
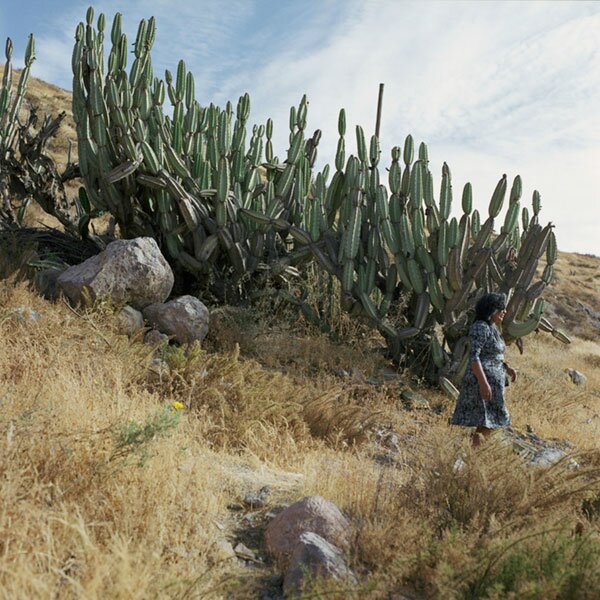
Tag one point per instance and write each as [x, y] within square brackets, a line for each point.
[471, 410]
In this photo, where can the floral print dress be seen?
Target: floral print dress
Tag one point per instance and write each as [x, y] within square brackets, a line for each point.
[471, 410]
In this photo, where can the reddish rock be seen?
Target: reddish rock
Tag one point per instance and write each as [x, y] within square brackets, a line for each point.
[311, 514]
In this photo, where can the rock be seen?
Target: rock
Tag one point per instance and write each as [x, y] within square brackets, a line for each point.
[459, 465]
[389, 439]
[242, 551]
[550, 456]
[130, 272]
[26, 315]
[129, 321]
[259, 499]
[315, 557]
[184, 319]
[576, 377]
[155, 338]
[414, 399]
[547, 457]
[312, 513]
[224, 549]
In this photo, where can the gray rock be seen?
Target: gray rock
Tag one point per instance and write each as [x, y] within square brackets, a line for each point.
[459, 465]
[129, 321]
[130, 272]
[576, 377]
[184, 319]
[155, 338]
[547, 457]
[258, 499]
[312, 513]
[242, 551]
[26, 315]
[224, 549]
[414, 399]
[314, 557]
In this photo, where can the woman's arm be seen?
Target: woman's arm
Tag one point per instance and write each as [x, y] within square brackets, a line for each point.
[484, 387]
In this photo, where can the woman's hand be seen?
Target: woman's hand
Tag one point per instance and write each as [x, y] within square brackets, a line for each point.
[511, 373]
[485, 390]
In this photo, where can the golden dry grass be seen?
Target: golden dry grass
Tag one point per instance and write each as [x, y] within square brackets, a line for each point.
[92, 511]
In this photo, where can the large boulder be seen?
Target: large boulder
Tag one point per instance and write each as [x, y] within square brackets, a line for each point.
[314, 557]
[130, 272]
[311, 514]
[185, 319]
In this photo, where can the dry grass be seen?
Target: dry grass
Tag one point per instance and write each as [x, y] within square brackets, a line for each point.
[108, 491]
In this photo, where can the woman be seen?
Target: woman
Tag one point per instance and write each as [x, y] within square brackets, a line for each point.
[481, 400]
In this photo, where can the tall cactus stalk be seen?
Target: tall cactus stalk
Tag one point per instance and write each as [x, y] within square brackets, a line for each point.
[197, 181]
[10, 103]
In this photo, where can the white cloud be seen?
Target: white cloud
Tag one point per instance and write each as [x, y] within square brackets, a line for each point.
[491, 87]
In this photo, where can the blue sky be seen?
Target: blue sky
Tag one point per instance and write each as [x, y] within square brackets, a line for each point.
[491, 87]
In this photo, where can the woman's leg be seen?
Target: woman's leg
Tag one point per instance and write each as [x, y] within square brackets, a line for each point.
[480, 435]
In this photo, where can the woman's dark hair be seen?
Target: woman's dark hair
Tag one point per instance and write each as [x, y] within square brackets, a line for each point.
[488, 304]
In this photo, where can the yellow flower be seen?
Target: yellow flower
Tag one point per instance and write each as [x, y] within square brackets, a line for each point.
[178, 405]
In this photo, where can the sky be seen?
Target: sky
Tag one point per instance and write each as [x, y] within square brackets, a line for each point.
[490, 87]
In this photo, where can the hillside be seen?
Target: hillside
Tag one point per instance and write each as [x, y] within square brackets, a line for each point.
[121, 480]
[574, 295]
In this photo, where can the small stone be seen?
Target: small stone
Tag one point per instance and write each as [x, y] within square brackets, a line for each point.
[259, 499]
[155, 338]
[414, 399]
[576, 377]
[547, 457]
[185, 319]
[242, 551]
[225, 549]
[129, 321]
[393, 442]
[315, 557]
[26, 315]
[459, 465]
[312, 513]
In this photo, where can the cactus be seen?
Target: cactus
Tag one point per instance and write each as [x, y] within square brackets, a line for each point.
[185, 179]
[9, 104]
[197, 182]
[382, 247]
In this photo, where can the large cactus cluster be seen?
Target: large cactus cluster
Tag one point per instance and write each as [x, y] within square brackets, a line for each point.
[405, 244]
[182, 178]
[198, 183]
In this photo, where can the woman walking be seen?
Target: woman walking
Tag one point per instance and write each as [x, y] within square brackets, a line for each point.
[481, 400]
